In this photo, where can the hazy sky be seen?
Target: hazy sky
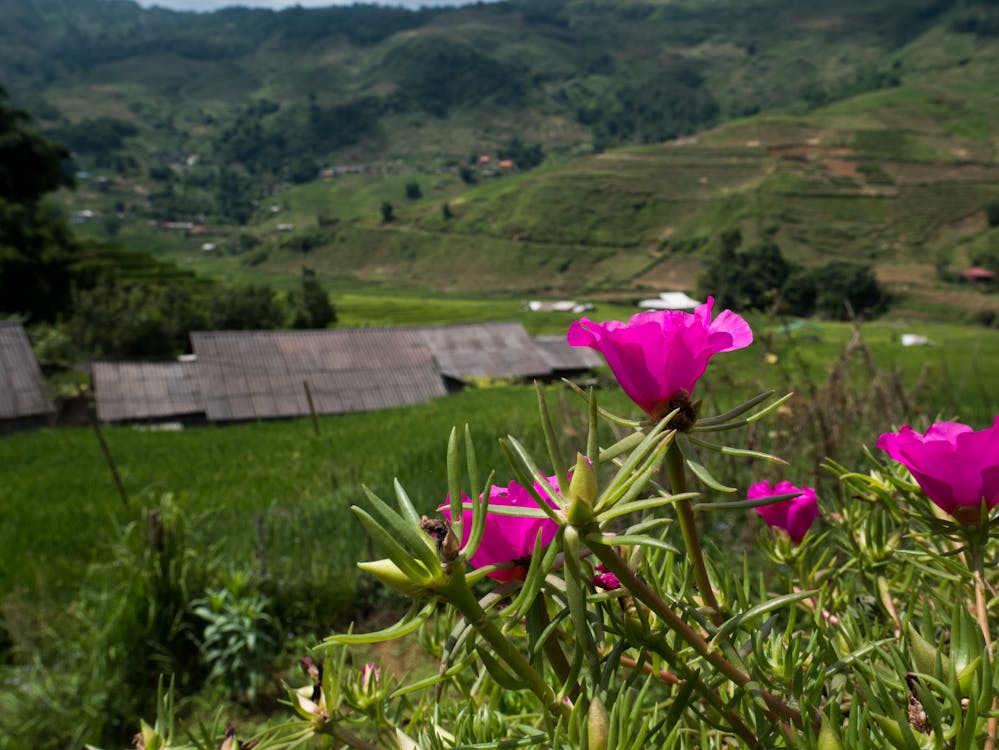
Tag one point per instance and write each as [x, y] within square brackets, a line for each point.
[277, 4]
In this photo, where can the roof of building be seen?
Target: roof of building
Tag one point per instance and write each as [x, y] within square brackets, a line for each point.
[262, 374]
[491, 350]
[23, 391]
[670, 301]
[559, 355]
[146, 390]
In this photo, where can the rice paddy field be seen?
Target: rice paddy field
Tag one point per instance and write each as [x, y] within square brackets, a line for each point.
[89, 578]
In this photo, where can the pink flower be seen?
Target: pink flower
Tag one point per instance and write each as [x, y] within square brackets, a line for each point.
[508, 538]
[659, 356]
[794, 515]
[956, 466]
[369, 672]
[605, 579]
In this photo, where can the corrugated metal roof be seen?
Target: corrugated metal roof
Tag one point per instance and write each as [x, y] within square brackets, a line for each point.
[146, 390]
[23, 391]
[261, 374]
[560, 356]
[491, 350]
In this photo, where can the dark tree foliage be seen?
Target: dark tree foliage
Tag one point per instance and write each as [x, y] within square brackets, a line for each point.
[134, 319]
[992, 212]
[847, 290]
[311, 304]
[437, 75]
[37, 250]
[245, 308]
[668, 104]
[760, 278]
[413, 191]
[525, 156]
[388, 212]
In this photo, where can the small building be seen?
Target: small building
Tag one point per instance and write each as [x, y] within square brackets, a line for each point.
[25, 402]
[484, 350]
[564, 360]
[670, 301]
[147, 392]
[246, 375]
[978, 275]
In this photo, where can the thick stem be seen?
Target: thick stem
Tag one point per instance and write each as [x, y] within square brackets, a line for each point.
[641, 591]
[688, 527]
[459, 595]
[982, 614]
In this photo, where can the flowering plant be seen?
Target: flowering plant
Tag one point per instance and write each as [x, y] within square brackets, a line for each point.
[957, 467]
[619, 627]
[794, 515]
[658, 357]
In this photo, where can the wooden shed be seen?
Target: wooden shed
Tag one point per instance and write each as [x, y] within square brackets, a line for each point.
[24, 396]
[565, 360]
[485, 350]
[266, 374]
[147, 391]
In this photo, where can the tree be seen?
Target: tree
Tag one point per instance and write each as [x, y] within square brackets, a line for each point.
[37, 250]
[245, 308]
[388, 212]
[413, 191]
[311, 305]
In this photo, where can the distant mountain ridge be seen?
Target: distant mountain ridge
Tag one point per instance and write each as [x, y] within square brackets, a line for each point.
[860, 130]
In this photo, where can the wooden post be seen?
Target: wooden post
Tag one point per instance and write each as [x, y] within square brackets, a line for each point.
[110, 461]
[262, 546]
[312, 407]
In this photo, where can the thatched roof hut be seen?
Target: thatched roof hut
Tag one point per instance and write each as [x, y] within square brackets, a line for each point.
[565, 360]
[147, 391]
[264, 374]
[487, 350]
[24, 396]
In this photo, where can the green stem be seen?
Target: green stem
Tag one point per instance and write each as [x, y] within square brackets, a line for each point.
[982, 614]
[459, 595]
[641, 591]
[688, 527]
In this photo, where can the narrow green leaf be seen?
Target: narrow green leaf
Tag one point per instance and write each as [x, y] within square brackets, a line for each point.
[419, 543]
[480, 506]
[739, 452]
[454, 482]
[627, 540]
[738, 410]
[744, 504]
[406, 505]
[638, 506]
[497, 671]
[722, 426]
[603, 412]
[409, 623]
[622, 446]
[592, 431]
[535, 476]
[417, 573]
[551, 440]
[702, 473]
[734, 623]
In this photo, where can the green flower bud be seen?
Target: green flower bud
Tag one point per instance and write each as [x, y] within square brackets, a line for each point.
[596, 725]
[828, 736]
[389, 573]
[582, 493]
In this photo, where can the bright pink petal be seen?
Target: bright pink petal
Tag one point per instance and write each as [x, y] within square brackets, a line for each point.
[657, 355]
[508, 538]
[795, 515]
[954, 465]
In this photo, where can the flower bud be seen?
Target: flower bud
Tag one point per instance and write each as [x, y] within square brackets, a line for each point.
[389, 573]
[596, 725]
[582, 492]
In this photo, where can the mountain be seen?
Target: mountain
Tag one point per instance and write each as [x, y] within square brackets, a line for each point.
[855, 129]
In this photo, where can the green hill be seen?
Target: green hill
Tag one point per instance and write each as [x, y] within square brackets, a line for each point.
[852, 131]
